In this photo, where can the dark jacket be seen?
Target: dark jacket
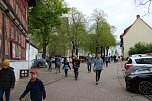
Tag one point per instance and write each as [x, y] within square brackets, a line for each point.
[37, 90]
[76, 63]
[7, 78]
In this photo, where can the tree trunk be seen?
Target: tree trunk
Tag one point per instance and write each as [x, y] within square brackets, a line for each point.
[44, 51]
[107, 50]
[96, 51]
[101, 50]
[104, 51]
[76, 51]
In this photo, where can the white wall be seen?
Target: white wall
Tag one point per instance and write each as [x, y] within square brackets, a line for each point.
[31, 53]
[18, 65]
[115, 50]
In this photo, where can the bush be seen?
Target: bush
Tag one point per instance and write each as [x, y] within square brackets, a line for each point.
[141, 48]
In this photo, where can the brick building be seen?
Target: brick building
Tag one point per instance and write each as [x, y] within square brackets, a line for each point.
[13, 28]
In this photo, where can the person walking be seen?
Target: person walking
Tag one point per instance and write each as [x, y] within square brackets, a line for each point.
[35, 87]
[76, 65]
[106, 60]
[66, 67]
[49, 62]
[58, 64]
[89, 61]
[7, 80]
[98, 65]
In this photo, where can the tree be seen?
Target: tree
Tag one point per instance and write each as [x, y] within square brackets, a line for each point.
[61, 44]
[43, 19]
[77, 28]
[102, 30]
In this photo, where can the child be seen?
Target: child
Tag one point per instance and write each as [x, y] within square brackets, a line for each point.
[66, 67]
[36, 88]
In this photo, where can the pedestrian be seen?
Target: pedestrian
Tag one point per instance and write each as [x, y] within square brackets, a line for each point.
[7, 80]
[89, 61]
[49, 62]
[66, 67]
[98, 67]
[35, 87]
[115, 58]
[76, 65]
[103, 58]
[58, 64]
[106, 60]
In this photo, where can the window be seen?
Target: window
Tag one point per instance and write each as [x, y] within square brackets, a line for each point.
[16, 51]
[16, 34]
[129, 61]
[12, 32]
[8, 27]
[144, 61]
[7, 47]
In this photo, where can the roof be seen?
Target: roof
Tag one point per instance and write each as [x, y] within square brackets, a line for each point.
[127, 29]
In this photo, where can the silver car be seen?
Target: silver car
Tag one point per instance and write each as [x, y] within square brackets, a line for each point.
[145, 61]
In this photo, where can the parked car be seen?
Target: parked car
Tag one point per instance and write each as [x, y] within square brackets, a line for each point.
[40, 63]
[140, 80]
[138, 61]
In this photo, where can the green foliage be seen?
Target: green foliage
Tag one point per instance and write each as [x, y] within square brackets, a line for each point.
[141, 48]
[43, 20]
[61, 43]
[100, 33]
[48, 29]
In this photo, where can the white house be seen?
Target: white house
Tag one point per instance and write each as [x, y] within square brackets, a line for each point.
[115, 50]
[139, 31]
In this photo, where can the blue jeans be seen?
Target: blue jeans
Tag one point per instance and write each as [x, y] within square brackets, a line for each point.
[7, 94]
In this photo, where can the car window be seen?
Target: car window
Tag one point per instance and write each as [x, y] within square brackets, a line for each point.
[129, 61]
[144, 61]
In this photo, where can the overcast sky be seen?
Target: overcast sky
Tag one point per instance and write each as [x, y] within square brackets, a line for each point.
[121, 13]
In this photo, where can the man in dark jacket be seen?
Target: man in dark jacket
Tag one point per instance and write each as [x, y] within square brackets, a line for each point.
[76, 65]
[7, 80]
[36, 88]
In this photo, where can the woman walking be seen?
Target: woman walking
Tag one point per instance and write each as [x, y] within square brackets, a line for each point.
[98, 67]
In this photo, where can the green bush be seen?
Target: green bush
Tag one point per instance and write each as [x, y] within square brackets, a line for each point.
[141, 48]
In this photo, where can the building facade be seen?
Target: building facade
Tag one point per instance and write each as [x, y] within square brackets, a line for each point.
[13, 32]
[139, 31]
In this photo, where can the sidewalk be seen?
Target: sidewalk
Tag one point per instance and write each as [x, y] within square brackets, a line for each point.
[46, 76]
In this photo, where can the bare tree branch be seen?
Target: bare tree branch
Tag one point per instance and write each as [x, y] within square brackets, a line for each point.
[146, 3]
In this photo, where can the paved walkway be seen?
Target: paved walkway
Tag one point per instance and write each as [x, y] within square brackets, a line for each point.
[59, 88]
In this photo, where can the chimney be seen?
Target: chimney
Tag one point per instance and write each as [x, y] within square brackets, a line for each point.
[138, 16]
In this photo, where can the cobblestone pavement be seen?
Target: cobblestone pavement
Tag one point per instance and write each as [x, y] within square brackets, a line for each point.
[59, 88]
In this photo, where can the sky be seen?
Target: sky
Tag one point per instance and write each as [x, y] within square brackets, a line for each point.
[121, 13]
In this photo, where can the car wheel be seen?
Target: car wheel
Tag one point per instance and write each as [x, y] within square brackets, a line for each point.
[145, 87]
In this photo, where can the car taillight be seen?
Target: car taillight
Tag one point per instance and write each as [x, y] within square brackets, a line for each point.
[129, 65]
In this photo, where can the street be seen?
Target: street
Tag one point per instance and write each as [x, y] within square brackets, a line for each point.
[59, 88]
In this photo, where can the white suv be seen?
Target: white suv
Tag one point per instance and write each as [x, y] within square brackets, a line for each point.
[145, 61]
